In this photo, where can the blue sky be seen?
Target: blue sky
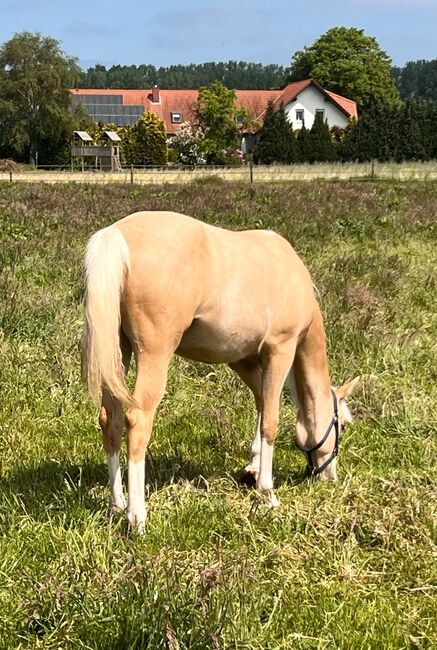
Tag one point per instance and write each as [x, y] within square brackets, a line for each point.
[166, 32]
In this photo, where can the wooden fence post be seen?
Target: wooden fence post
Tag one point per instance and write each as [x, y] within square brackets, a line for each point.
[131, 174]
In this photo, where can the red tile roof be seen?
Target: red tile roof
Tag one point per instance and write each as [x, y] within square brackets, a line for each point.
[292, 90]
[184, 101]
[349, 106]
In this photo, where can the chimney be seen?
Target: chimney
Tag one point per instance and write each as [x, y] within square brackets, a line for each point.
[155, 94]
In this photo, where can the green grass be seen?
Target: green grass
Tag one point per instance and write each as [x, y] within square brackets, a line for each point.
[347, 565]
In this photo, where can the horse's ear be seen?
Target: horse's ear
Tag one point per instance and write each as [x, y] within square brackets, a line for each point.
[347, 389]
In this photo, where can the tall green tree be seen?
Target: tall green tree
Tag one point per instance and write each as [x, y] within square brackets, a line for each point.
[35, 78]
[276, 142]
[347, 61]
[147, 144]
[320, 146]
[216, 113]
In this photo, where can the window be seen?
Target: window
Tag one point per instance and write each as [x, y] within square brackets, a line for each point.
[176, 118]
[299, 114]
[321, 112]
[239, 119]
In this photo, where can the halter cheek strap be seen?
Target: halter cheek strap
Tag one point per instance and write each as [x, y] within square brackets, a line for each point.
[313, 470]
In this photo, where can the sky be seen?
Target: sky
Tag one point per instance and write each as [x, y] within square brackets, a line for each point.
[166, 32]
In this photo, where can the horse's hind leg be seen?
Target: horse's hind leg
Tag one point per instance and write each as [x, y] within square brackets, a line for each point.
[112, 422]
[149, 388]
[250, 372]
[275, 364]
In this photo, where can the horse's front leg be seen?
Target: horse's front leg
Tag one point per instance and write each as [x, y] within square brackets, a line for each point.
[250, 372]
[276, 364]
[255, 451]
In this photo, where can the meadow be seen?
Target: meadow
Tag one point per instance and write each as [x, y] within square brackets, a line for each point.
[347, 565]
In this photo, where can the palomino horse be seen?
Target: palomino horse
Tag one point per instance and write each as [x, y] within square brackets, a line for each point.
[161, 283]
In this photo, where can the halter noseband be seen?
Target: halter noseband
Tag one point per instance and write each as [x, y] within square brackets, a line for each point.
[311, 469]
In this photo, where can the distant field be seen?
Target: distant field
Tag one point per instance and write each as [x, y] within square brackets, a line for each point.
[258, 174]
[352, 565]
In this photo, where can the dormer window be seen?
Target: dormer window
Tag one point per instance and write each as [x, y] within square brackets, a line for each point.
[176, 118]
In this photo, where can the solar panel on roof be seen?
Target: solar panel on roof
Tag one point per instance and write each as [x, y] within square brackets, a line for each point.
[109, 109]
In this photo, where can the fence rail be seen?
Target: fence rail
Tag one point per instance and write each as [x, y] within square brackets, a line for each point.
[243, 173]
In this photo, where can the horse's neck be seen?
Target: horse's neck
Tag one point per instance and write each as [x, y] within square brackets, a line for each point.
[312, 388]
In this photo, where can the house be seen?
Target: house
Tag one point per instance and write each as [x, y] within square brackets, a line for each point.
[302, 101]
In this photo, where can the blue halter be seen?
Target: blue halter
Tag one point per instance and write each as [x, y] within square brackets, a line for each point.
[311, 469]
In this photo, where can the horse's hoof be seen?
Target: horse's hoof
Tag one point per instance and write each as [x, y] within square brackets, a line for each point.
[118, 507]
[270, 498]
[136, 523]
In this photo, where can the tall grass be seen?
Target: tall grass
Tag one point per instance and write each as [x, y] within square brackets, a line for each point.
[348, 565]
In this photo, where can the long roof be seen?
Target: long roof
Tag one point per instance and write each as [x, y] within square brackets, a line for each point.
[184, 101]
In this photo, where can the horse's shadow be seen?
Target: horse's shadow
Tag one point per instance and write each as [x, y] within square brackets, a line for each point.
[58, 487]
[54, 485]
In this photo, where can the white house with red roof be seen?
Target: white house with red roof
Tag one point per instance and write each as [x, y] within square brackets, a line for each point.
[302, 100]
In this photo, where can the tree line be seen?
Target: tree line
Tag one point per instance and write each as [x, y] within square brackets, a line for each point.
[233, 74]
[416, 79]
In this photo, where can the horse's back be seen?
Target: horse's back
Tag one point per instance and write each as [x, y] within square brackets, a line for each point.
[189, 275]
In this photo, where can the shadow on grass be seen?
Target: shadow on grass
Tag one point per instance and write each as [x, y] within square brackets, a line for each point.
[57, 487]
[294, 477]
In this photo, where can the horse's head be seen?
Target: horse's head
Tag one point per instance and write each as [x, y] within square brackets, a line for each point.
[322, 456]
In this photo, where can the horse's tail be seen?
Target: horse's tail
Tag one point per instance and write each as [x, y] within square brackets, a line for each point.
[107, 261]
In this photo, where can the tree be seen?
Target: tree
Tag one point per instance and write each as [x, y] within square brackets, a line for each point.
[276, 141]
[320, 146]
[216, 113]
[148, 144]
[96, 77]
[35, 78]
[417, 79]
[303, 144]
[346, 61]
[409, 141]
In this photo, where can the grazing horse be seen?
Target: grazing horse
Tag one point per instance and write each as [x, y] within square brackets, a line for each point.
[161, 283]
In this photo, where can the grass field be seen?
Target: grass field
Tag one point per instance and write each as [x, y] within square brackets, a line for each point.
[346, 565]
[406, 171]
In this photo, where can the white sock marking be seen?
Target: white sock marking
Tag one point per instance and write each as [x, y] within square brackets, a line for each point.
[255, 449]
[117, 498]
[136, 510]
[265, 477]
